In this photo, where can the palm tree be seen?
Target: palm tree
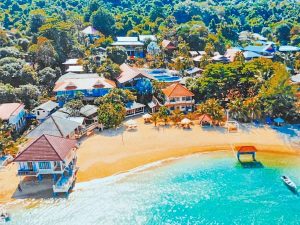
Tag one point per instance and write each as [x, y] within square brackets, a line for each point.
[155, 118]
[176, 116]
[164, 114]
[212, 108]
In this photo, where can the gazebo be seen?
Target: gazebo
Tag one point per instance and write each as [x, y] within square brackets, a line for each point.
[245, 150]
[131, 124]
[205, 120]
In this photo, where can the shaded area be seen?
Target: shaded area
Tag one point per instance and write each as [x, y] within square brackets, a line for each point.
[251, 164]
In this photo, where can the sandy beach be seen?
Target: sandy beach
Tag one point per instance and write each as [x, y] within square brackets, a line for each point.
[115, 151]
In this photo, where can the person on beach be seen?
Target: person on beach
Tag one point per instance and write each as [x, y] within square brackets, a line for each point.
[20, 188]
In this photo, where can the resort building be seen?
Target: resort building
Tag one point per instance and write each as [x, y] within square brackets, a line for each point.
[149, 38]
[14, 115]
[132, 46]
[266, 50]
[134, 108]
[50, 155]
[44, 110]
[130, 77]
[179, 97]
[57, 126]
[90, 85]
[71, 63]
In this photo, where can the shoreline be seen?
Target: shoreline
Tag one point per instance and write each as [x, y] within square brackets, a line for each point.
[115, 152]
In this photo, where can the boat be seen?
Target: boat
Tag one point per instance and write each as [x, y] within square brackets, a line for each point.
[4, 217]
[289, 182]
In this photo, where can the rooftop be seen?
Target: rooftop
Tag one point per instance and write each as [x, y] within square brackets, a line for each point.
[47, 148]
[88, 110]
[56, 126]
[71, 62]
[10, 109]
[128, 73]
[134, 105]
[123, 41]
[90, 31]
[75, 69]
[48, 106]
[177, 90]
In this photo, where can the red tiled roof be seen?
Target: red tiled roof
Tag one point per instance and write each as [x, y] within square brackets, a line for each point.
[205, 118]
[168, 44]
[10, 109]
[245, 148]
[46, 148]
[177, 90]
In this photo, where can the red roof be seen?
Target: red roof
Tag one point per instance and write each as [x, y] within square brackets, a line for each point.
[245, 148]
[205, 118]
[177, 90]
[46, 148]
[10, 109]
[168, 44]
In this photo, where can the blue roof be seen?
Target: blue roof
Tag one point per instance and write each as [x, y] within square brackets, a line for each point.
[251, 55]
[278, 120]
[260, 49]
[288, 48]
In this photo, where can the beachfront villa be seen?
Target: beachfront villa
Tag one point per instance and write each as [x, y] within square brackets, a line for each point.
[134, 108]
[90, 85]
[132, 46]
[131, 78]
[44, 110]
[50, 155]
[13, 114]
[179, 97]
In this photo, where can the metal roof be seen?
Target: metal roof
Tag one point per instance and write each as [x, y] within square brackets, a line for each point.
[47, 106]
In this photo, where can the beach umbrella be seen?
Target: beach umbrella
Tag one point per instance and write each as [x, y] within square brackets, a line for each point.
[185, 121]
[147, 116]
[130, 123]
[278, 120]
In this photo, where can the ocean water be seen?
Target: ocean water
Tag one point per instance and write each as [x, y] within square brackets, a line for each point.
[210, 188]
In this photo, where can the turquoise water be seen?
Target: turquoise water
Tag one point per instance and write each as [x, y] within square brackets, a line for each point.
[200, 189]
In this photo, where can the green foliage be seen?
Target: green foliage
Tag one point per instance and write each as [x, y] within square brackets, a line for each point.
[111, 115]
[163, 114]
[103, 21]
[73, 106]
[117, 55]
[116, 95]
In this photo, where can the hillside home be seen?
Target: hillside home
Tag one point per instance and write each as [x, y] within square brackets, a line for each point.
[132, 46]
[14, 115]
[44, 110]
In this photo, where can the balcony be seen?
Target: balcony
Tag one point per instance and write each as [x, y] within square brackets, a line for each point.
[27, 173]
[174, 102]
[65, 183]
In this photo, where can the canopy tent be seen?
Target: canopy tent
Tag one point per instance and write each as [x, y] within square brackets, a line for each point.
[205, 119]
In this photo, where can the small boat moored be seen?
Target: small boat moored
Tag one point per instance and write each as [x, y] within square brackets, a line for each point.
[289, 182]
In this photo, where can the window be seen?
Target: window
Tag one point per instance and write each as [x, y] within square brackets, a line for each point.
[172, 108]
[45, 165]
[38, 112]
[183, 98]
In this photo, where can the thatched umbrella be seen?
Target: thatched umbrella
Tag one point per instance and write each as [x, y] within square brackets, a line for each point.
[186, 122]
[147, 117]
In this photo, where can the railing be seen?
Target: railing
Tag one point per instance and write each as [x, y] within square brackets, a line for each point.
[27, 173]
[65, 183]
[181, 102]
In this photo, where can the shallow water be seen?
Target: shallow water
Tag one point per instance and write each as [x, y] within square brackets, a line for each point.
[209, 188]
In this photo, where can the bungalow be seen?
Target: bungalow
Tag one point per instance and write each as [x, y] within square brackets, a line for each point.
[179, 97]
[71, 62]
[44, 110]
[59, 126]
[132, 45]
[134, 108]
[50, 155]
[14, 115]
[90, 85]
[90, 113]
[145, 38]
[130, 77]
[266, 50]
[168, 45]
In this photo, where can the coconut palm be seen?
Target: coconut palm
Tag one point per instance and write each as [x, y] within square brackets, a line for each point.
[164, 114]
[155, 118]
[176, 116]
[236, 108]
